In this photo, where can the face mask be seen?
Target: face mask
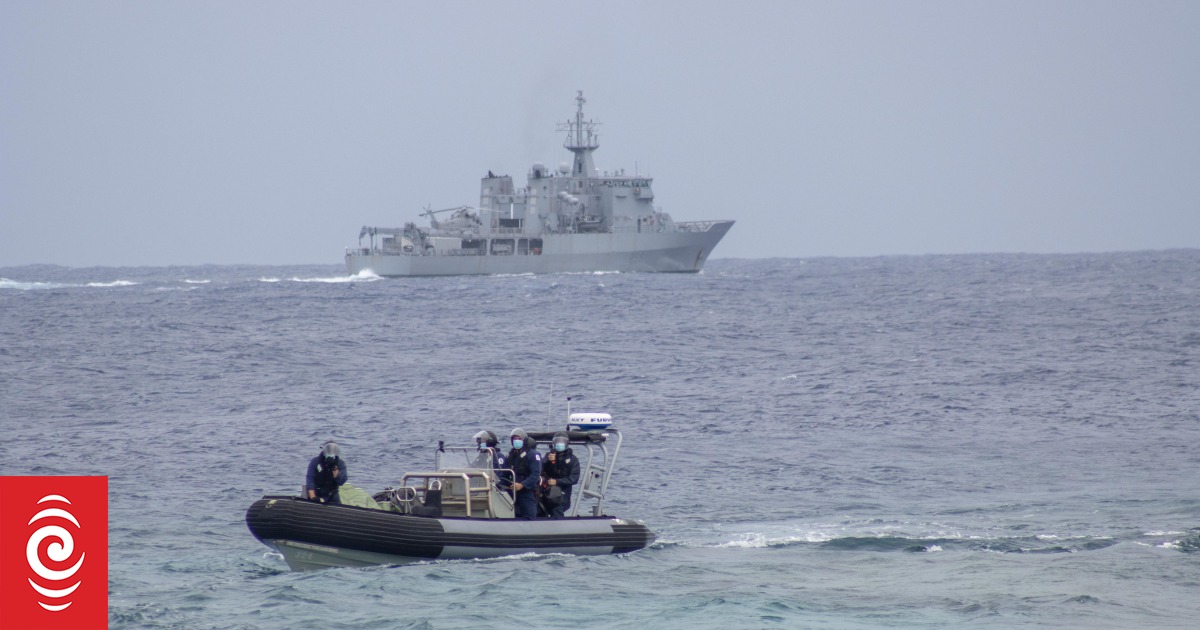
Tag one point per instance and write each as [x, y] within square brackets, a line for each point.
[518, 444]
[560, 447]
[483, 446]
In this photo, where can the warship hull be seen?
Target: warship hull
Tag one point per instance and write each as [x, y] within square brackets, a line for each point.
[656, 252]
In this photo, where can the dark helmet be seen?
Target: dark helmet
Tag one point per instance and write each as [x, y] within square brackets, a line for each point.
[486, 437]
[560, 438]
[330, 450]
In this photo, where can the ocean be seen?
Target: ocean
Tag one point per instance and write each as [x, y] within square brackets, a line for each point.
[987, 441]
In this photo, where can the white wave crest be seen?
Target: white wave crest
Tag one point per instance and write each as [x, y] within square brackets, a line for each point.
[114, 283]
[366, 275]
[759, 541]
[5, 283]
[197, 281]
[1049, 537]
[529, 555]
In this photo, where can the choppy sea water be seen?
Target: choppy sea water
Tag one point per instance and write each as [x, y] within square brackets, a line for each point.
[938, 441]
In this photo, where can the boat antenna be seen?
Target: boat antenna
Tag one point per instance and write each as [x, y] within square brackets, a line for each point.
[568, 411]
[550, 406]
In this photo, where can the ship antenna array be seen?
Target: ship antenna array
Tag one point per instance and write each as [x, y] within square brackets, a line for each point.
[579, 127]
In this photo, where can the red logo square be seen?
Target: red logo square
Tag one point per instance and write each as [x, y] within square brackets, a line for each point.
[53, 552]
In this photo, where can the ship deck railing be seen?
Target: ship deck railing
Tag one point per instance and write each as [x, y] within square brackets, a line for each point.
[478, 232]
[367, 251]
[695, 226]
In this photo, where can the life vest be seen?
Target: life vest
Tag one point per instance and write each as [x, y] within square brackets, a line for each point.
[520, 462]
[561, 466]
[327, 485]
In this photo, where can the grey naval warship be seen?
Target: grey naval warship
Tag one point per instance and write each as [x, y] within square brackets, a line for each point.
[575, 219]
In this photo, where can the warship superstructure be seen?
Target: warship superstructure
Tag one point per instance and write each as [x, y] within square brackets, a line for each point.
[573, 219]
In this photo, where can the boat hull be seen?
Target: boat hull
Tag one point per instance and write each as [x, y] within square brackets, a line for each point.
[313, 535]
[662, 252]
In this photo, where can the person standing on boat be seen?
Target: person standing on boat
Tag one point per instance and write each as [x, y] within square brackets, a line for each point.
[487, 442]
[526, 464]
[326, 472]
[562, 472]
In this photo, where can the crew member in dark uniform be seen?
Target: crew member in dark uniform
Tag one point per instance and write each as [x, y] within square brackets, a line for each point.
[486, 442]
[562, 472]
[326, 472]
[526, 464]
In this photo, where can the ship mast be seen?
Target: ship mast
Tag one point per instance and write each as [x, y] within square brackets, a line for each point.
[581, 140]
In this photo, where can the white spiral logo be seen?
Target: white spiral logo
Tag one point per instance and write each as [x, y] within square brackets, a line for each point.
[59, 551]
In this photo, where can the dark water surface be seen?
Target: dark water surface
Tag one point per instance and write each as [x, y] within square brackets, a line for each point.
[987, 440]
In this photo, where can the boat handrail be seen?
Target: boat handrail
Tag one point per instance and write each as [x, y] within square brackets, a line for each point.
[594, 475]
[465, 476]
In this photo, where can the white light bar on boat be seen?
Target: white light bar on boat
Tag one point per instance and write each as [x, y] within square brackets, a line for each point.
[588, 421]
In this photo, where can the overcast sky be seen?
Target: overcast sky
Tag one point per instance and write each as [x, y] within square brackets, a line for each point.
[159, 133]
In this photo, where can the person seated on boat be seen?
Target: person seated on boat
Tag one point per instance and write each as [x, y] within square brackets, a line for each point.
[560, 471]
[326, 472]
[487, 443]
[526, 463]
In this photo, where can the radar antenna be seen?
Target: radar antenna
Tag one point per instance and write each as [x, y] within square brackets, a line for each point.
[581, 140]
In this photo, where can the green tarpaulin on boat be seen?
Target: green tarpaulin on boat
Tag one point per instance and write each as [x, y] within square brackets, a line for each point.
[351, 495]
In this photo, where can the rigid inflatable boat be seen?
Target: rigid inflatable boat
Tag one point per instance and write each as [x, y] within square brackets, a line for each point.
[455, 511]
